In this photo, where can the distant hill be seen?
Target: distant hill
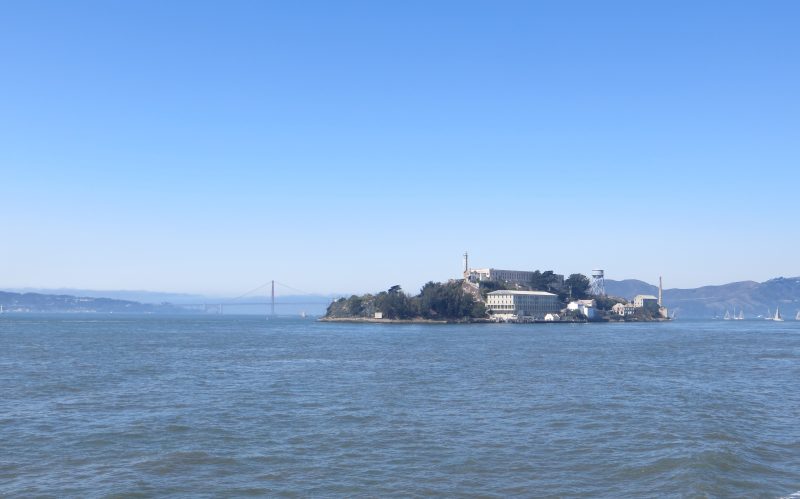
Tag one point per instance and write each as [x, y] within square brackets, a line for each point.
[157, 302]
[629, 288]
[135, 295]
[752, 297]
[38, 302]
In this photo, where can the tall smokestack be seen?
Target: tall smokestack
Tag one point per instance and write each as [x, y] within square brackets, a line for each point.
[660, 291]
[466, 263]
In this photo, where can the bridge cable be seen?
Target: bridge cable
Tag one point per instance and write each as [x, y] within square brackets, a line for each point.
[251, 291]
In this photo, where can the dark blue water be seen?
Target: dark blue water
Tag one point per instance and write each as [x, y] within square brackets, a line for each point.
[242, 406]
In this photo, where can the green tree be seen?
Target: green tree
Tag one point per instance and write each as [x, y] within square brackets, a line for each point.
[448, 301]
[579, 285]
[355, 305]
[543, 281]
[606, 302]
[394, 304]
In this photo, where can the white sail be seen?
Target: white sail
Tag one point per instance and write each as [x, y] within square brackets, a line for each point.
[727, 315]
[777, 315]
[741, 315]
[797, 317]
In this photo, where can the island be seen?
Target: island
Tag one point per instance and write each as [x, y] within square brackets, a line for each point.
[531, 297]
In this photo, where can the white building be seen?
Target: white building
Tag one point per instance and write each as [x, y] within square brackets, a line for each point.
[585, 307]
[577, 304]
[639, 301]
[513, 305]
[623, 309]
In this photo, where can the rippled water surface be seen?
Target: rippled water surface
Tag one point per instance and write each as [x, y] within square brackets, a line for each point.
[226, 406]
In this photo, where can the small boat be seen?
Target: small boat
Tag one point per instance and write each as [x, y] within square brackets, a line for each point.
[777, 315]
[727, 316]
[769, 315]
[797, 317]
[740, 317]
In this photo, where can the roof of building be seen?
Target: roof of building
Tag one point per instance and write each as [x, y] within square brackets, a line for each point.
[515, 292]
[646, 297]
[491, 269]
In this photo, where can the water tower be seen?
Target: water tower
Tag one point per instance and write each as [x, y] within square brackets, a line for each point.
[598, 283]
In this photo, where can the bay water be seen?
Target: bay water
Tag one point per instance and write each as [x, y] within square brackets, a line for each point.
[243, 406]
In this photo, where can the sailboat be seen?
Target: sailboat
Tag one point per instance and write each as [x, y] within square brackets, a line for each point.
[727, 316]
[777, 315]
[740, 317]
[797, 317]
[769, 315]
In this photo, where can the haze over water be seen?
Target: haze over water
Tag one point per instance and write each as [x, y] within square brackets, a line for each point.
[221, 406]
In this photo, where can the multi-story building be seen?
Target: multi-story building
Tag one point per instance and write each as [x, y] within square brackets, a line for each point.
[508, 276]
[623, 309]
[511, 304]
[516, 276]
[640, 301]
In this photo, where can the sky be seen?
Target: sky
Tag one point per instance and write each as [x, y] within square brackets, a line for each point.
[344, 147]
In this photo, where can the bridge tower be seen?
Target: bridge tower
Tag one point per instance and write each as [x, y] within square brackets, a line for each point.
[272, 303]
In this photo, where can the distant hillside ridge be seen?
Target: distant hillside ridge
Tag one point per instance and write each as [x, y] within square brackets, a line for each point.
[125, 295]
[629, 288]
[164, 302]
[38, 302]
[753, 298]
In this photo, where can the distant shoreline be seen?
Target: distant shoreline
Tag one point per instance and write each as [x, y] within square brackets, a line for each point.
[370, 320]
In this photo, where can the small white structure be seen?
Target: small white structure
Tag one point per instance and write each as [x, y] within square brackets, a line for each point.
[585, 307]
[379, 315]
[552, 317]
[640, 301]
[513, 305]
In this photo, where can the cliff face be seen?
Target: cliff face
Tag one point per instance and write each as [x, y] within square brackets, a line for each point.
[472, 289]
[752, 297]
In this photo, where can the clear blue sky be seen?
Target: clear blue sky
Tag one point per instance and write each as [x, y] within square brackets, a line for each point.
[348, 146]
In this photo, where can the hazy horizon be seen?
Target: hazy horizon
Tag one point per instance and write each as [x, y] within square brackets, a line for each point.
[345, 147]
[264, 293]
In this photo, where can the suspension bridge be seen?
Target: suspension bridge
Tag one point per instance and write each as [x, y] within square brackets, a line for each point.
[269, 304]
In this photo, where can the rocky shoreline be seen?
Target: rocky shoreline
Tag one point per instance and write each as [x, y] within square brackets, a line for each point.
[384, 321]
